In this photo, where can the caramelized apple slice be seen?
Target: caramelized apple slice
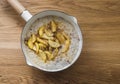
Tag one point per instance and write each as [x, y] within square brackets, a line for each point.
[43, 56]
[42, 46]
[34, 48]
[66, 46]
[30, 43]
[41, 30]
[47, 37]
[55, 52]
[42, 41]
[37, 47]
[48, 32]
[65, 35]
[50, 49]
[33, 38]
[53, 26]
[49, 55]
[53, 44]
[60, 37]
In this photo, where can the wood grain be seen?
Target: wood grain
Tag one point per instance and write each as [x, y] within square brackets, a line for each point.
[99, 62]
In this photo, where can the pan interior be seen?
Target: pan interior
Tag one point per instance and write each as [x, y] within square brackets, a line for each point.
[63, 60]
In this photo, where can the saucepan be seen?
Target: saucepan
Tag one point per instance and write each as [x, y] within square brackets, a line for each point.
[30, 19]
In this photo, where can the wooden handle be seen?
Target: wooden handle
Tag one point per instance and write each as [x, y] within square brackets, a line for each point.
[16, 5]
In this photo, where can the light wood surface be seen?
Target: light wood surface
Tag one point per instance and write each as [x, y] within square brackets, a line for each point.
[99, 62]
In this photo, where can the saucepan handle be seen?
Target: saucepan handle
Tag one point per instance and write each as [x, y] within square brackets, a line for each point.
[25, 14]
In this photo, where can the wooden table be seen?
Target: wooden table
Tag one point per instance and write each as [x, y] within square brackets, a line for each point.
[99, 62]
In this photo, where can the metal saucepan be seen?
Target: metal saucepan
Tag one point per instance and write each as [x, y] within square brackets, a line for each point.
[25, 14]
